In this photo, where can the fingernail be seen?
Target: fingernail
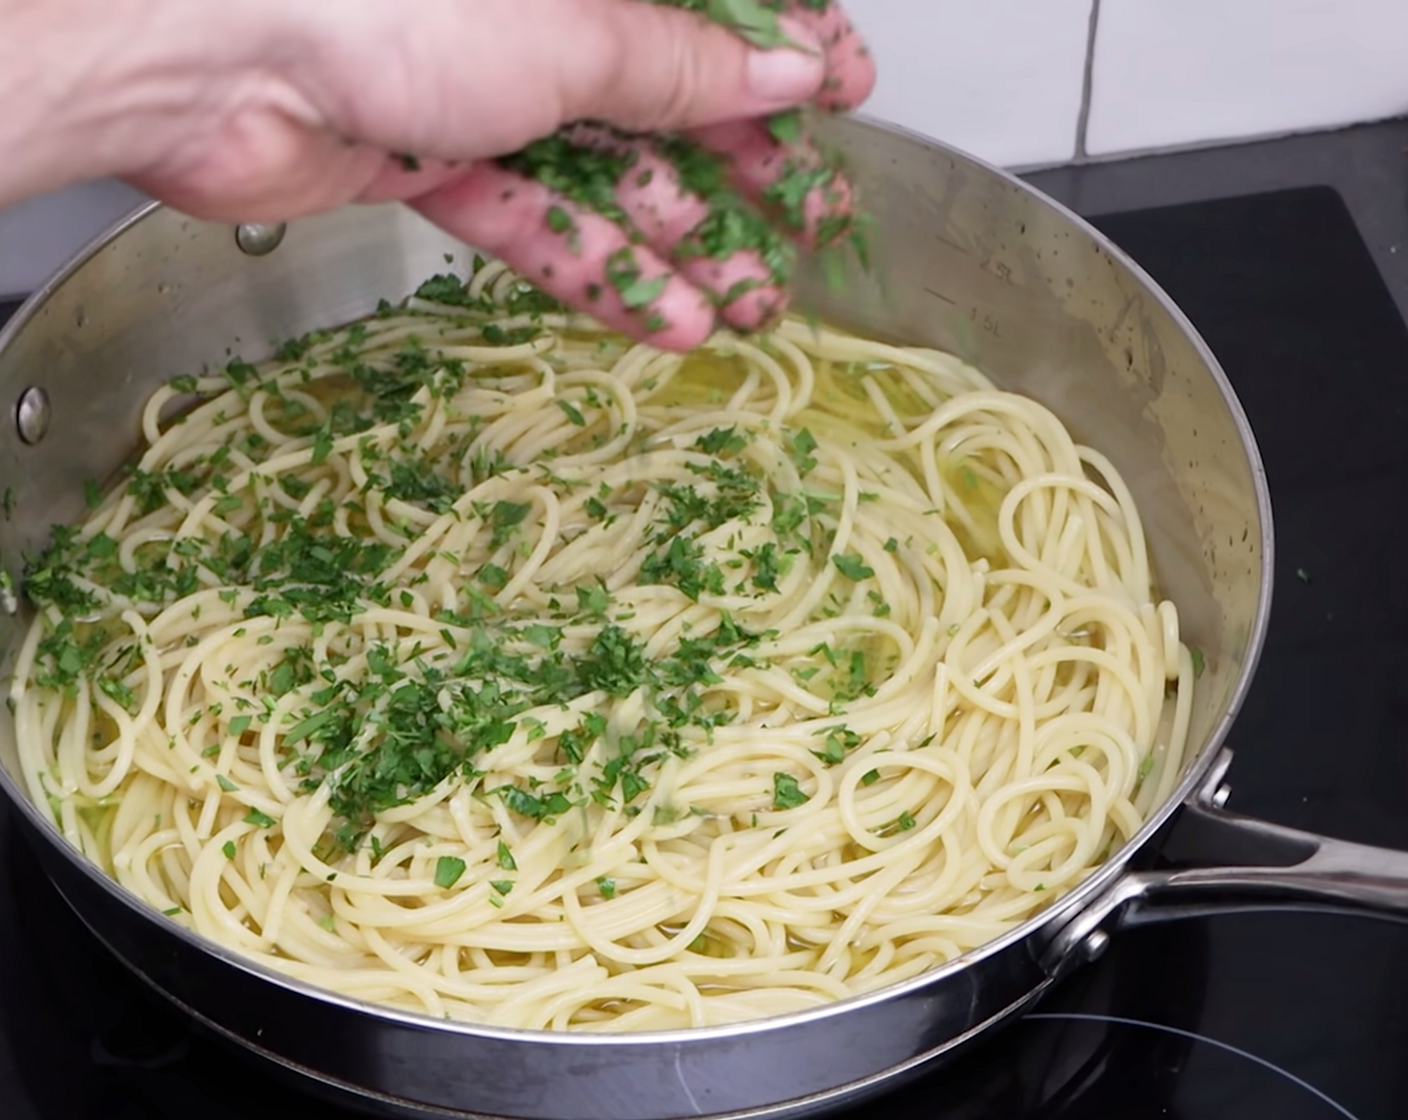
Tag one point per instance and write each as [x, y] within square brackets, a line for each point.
[790, 74]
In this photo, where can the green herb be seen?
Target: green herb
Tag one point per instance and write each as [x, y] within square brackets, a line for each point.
[623, 273]
[259, 820]
[786, 792]
[506, 860]
[501, 886]
[229, 849]
[607, 887]
[788, 194]
[870, 777]
[495, 335]
[572, 412]
[535, 808]
[593, 600]
[722, 441]
[559, 220]
[682, 564]
[505, 518]
[852, 567]
[545, 637]
[238, 372]
[118, 692]
[767, 563]
[444, 288]
[306, 728]
[322, 446]
[225, 784]
[448, 870]
[172, 911]
[92, 497]
[732, 225]
[587, 175]
[838, 741]
[754, 20]
[1199, 663]
[800, 451]
[493, 576]
[786, 128]
[240, 724]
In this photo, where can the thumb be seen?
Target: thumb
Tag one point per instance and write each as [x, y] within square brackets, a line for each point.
[675, 69]
[470, 79]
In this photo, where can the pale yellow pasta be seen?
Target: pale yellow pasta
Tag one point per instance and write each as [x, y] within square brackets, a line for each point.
[821, 663]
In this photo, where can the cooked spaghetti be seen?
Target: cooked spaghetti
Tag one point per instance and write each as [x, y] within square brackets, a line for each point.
[476, 661]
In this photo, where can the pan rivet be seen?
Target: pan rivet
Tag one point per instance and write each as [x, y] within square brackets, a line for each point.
[257, 239]
[32, 414]
[1219, 799]
[1094, 946]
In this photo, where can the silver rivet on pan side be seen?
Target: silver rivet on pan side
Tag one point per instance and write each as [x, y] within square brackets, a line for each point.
[1219, 799]
[1094, 946]
[32, 414]
[257, 239]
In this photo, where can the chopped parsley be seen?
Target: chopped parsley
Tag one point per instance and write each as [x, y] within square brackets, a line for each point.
[852, 567]
[448, 870]
[786, 792]
[572, 412]
[838, 741]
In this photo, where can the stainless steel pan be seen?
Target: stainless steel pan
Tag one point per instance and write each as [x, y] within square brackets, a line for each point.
[970, 260]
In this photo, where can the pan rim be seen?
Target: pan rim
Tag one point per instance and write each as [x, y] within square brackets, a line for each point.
[1039, 930]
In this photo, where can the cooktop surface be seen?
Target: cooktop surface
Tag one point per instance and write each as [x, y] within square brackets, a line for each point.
[1286, 1016]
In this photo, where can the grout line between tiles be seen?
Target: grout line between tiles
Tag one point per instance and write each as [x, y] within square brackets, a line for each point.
[1087, 86]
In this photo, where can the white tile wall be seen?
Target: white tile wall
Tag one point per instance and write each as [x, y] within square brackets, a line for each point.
[1173, 72]
[998, 78]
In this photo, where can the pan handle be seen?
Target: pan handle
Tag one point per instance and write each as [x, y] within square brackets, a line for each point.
[1229, 863]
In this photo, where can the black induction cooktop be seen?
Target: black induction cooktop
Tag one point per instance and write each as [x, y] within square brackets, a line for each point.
[1284, 1016]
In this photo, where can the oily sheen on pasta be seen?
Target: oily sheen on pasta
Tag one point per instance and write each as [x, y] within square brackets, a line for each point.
[476, 661]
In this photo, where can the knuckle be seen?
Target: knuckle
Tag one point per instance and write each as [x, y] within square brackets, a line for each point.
[652, 73]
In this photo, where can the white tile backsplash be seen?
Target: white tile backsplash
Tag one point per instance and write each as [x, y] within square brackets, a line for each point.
[998, 78]
[1175, 72]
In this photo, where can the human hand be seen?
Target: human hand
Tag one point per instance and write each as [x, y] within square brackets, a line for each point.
[255, 110]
